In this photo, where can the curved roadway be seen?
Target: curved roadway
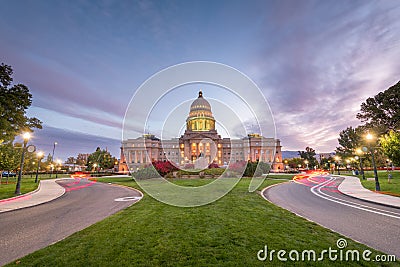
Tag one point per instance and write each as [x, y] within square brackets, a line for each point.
[318, 199]
[84, 203]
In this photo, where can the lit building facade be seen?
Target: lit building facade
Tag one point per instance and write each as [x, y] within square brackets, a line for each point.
[200, 142]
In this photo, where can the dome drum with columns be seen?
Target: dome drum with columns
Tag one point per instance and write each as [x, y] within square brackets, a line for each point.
[200, 116]
[200, 145]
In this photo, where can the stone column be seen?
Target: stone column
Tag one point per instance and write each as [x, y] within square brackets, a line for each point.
[213, 152]
[129, 156]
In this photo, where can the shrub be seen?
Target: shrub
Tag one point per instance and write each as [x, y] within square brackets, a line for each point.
[164, 167]
[169, 175]
[262, 168]
[213, 166]
[191, 172]
[237, 167]
[146, 173]
[214, 171]
[249, 168]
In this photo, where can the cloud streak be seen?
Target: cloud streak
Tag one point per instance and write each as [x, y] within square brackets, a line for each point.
[70, 143]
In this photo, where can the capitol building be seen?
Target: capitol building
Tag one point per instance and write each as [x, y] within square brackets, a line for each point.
[200, 145]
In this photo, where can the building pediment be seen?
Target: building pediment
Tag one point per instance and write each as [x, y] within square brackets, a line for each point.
[200, 135]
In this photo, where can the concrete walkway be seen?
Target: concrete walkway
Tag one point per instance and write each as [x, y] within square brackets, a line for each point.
[352, 187]
[47, 191]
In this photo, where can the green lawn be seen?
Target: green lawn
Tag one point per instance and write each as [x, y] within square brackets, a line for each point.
[7, 190]
[281, 176]
[228, 232]
[27, 184]
[392, 188]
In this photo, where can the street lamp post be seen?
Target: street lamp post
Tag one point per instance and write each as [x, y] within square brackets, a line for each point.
[306, 162]
[58, 163]
[337, 163]
[369, 137]
[26, 137]
[52, 157]
[360, 152]
[39, 159]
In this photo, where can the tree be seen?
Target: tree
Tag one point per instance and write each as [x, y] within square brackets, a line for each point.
[349, 140]
[309, 155]
[390, 144]
[382, 110]
[14, 101]
[48, 161]
[70, 160]
[10, 157]
[326, 163]
[102, 159]
[295, 162]
[81, 159]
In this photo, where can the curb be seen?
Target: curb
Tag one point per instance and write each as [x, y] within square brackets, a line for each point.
[268, 187]
[35, 191]
[366, 200]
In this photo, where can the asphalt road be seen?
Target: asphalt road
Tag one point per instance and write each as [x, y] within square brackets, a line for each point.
[84, 203]
[318, 200]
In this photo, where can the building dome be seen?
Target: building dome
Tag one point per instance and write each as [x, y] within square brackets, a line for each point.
[200, 115]
[200, 104]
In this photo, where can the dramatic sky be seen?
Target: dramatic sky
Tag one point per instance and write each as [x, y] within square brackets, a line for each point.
[315, 61]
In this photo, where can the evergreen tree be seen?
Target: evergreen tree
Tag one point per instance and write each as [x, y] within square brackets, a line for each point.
[309, 155]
